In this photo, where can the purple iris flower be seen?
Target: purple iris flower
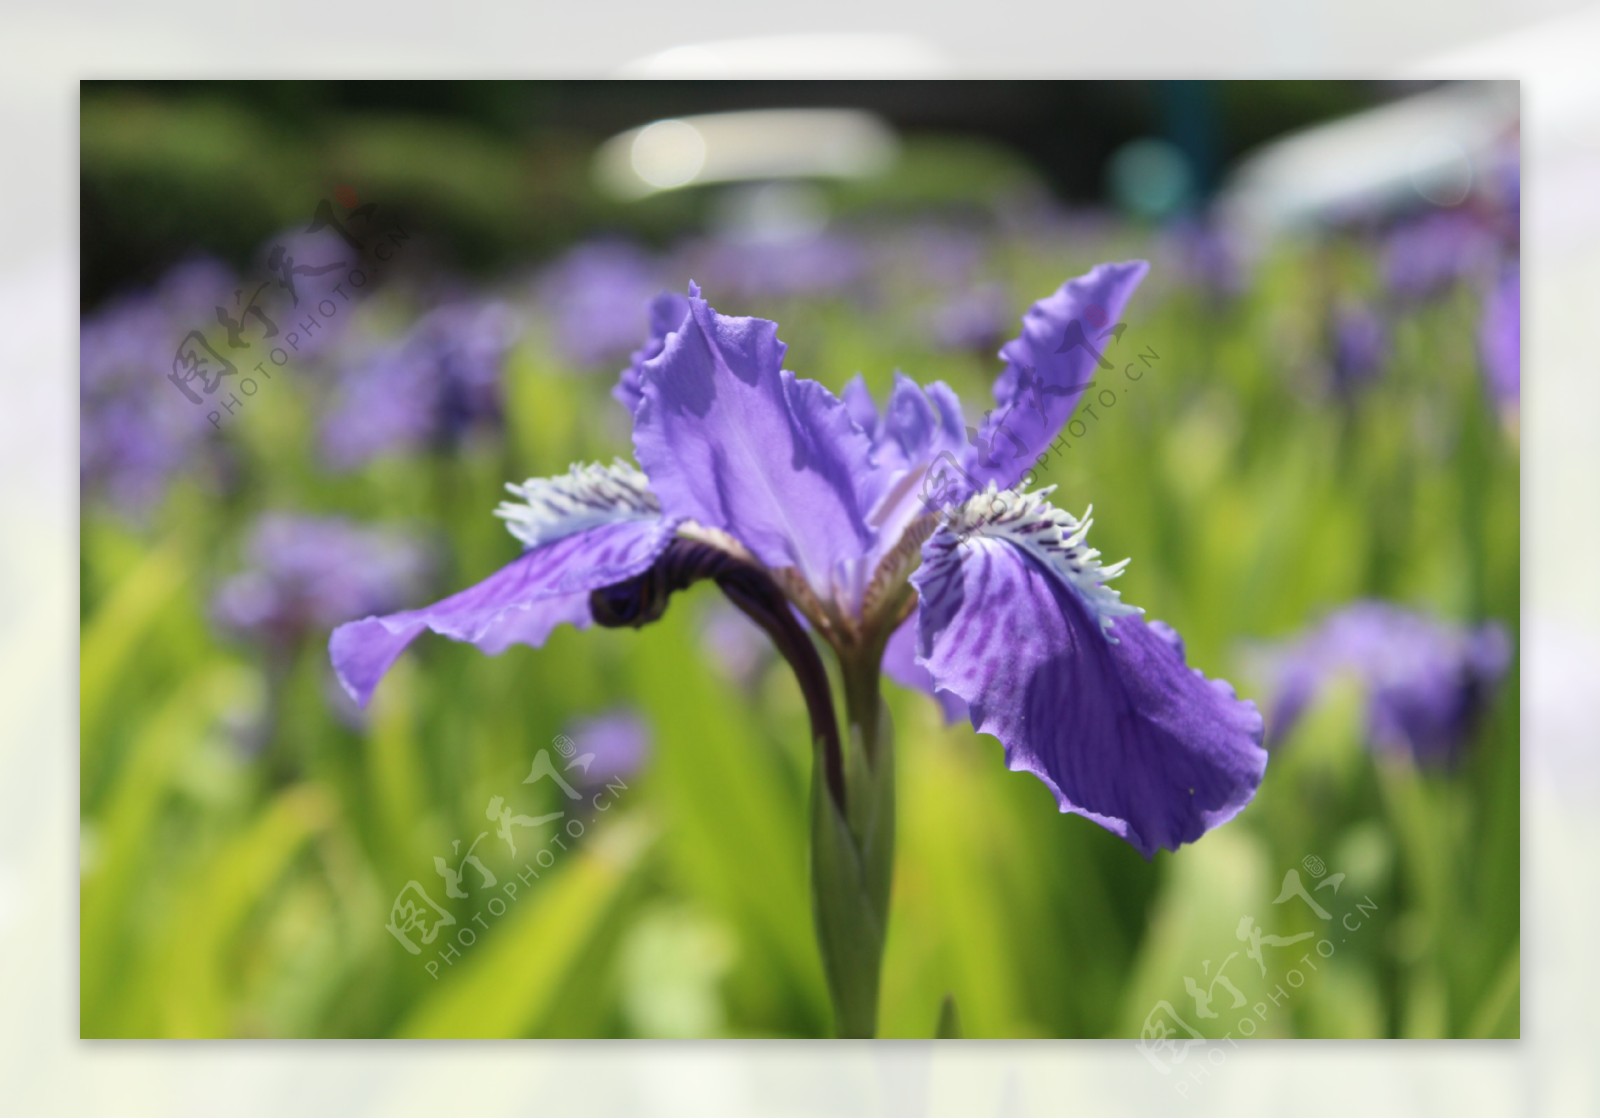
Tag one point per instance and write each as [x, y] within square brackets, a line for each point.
[975, 319]
[136, 431]
[593, 294]
[1358, 346]
[607, 747]
[1426, 256]
[426, 390]
[1207, 257]
[1500, 339]
[736, 647]
[305, 573]
[756, 268]
[868, 527]
[1426, 683]
[303, 286]
[133, 438]
[936, 255]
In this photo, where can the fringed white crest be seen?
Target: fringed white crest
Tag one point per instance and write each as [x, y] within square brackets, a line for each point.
[585, 496]
[1054, 537]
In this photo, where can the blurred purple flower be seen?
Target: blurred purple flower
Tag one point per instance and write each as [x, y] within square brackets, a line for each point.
[973, 321]
[617, 743]
[1207, 258]
[306, 573]
[1426, 682]
[135, 430]
[1358, 345]
[594, 295]
[1425, 256]
[737, 647]
[1500, 339]
[778, 268]
[309, 286]
[428, 389]
[931, 254]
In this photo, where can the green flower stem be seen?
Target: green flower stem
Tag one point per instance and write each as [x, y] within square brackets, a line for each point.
[853, 854]
[852, 791]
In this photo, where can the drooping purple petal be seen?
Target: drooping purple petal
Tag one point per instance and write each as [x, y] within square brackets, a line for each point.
[308, 573]
[1066, 340]
[592, 528]
[494, 615]
[900, 665]
[1095, 702]
[734, 441]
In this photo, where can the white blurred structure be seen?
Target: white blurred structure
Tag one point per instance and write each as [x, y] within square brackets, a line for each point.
[760, 144]
[1427, 148]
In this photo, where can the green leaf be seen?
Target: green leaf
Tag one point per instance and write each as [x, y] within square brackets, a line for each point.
[949, 1019]
[851, 869]
[507, 985]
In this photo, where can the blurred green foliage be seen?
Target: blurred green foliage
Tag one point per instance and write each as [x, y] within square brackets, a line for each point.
[227, 892]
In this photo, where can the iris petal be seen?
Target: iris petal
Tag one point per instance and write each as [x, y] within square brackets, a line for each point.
[900, 664]
[733, 441]
[858, 401]
[667, 312]
[1016, 619]
[1063, 346]
[591, 528]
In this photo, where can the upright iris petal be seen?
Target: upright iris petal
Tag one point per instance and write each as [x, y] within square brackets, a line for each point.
[667, 312]
[920, 436]
[922, 433]
[591, 528]
[859, 403]
[1048, 366]
[1016, 619]
[735, 442]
